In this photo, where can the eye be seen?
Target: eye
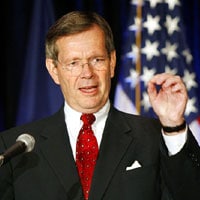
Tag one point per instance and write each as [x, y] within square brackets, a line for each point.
[74, 63]
[98, 60]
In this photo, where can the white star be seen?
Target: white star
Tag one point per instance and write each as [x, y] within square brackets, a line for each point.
[170, 51]
[153, 3]
[190, 106]
[150, 49]
[147, 74]
[189, 79]
[187, 55]
[152, 24]
[172, 24]
[137, 25]
[133, 78]
[134, 53]
[170, 71]
[145, 101]
[172, 3]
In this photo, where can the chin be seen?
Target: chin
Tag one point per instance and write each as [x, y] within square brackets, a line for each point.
[90, 106]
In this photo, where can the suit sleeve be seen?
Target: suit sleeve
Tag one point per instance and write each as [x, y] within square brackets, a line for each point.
[181, 172]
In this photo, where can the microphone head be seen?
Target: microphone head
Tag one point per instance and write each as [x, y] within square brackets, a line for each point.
[28, 140]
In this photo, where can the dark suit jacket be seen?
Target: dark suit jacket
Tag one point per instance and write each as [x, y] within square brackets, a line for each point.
[49, 171]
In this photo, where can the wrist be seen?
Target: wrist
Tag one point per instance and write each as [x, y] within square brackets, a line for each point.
[177, 128]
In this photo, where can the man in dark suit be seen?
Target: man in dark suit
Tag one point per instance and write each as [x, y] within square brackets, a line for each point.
[138, 159]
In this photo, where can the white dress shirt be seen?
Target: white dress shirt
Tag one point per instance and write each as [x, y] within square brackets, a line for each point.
[174, 143]
[74, 124]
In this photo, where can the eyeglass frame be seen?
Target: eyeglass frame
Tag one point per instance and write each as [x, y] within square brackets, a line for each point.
[92, 62]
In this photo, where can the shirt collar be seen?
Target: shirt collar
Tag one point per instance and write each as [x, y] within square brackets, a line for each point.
[72, 115]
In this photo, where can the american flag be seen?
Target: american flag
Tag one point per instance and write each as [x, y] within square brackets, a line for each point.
[154, 43]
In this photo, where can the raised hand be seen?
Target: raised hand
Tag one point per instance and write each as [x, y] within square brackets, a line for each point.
[168, 97]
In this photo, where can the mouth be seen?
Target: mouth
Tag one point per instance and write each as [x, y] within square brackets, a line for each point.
[88, 89]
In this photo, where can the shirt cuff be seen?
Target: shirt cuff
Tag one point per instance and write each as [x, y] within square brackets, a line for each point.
[175, 143]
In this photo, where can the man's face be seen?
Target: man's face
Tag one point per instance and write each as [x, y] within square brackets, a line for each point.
[88, 91]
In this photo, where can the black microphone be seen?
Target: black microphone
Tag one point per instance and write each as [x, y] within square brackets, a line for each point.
[24, 143]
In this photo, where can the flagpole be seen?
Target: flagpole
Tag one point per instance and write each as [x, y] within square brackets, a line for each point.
[138, 61]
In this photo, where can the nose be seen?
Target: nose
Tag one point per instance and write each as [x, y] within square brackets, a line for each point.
[87, 70]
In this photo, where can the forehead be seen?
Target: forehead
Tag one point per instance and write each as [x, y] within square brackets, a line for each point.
[93, 37]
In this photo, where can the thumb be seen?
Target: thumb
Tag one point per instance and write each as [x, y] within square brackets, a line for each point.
[152, 92]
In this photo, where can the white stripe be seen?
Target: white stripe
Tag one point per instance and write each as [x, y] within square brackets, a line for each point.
[123, 102]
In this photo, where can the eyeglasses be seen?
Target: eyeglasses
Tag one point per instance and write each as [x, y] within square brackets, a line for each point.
[76, 66]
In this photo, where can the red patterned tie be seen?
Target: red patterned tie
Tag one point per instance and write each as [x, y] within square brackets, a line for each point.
[86, 153]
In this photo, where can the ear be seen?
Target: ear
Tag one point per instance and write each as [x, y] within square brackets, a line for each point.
[53, 70]
[112, 63]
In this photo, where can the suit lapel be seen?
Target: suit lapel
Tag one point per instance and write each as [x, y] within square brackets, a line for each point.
[55, 147]
[115, 142]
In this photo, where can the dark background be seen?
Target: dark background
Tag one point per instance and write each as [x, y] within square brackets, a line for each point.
[15, 20]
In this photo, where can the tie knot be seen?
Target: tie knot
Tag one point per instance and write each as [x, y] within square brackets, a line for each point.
[88, 118]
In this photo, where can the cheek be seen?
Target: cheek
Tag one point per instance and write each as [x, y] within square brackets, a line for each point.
[106, 81]
[67, 85]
